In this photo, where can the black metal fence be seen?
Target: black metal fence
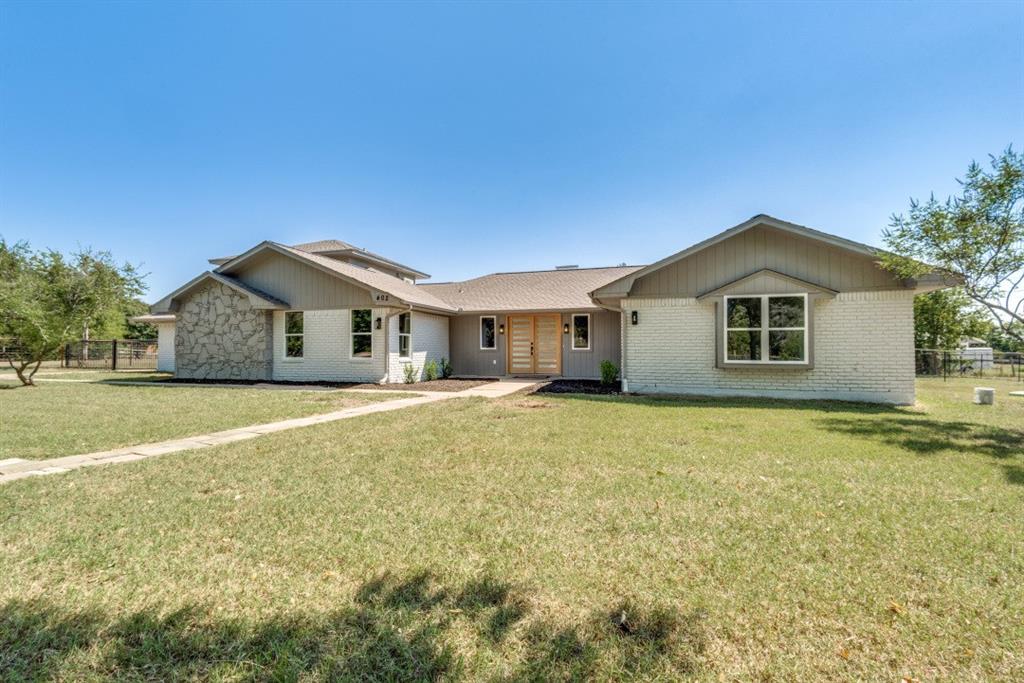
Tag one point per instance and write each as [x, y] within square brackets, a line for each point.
[111, 354]
[977, 362]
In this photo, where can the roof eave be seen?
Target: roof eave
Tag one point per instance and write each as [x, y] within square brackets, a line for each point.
[626, 282]
[168, 305]
[302, 256]
[376, 259]
[804, 284]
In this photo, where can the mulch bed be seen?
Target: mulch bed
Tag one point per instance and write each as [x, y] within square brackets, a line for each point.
[248, 382]
[450, 384]
[579, 386]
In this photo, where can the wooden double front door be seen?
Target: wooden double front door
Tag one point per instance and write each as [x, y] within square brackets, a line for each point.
[535, 344]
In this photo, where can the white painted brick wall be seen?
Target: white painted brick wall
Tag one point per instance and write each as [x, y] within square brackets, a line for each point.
[863, 351]
[165, 347]
[429, 342]
[327, 349]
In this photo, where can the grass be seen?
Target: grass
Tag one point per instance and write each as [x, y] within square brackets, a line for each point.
[562, 537]
[57, 418]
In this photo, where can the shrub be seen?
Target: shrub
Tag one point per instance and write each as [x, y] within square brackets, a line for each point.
[430, 371]
[609, 372]
[410, 373]
[446, 368]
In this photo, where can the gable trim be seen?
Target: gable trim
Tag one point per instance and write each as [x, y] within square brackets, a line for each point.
[380, 296]
[257, 298]
[810, 287]
[623, 285]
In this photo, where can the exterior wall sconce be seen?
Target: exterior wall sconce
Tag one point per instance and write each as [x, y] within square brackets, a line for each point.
[565, 328]
[501, 328]
[378, 323]
[635, 317]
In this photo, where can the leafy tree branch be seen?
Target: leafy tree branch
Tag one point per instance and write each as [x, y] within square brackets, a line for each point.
[975, 238]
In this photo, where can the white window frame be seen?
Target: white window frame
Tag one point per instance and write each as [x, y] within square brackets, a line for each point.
[765, 330]
[352, 335]
[572, 332]
[401, 358]
[480, 333]
[284, 347]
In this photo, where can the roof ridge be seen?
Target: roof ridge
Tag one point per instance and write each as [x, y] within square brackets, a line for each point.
[559, 270]
[527, 272]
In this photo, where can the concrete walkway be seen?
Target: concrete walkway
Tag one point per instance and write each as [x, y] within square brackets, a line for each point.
[16, 468]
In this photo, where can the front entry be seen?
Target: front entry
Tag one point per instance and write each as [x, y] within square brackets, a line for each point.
[534, 344]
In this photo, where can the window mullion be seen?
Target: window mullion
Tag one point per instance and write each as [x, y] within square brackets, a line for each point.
[764, 329]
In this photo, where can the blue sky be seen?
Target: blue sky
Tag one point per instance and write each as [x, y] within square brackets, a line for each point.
[467, 138]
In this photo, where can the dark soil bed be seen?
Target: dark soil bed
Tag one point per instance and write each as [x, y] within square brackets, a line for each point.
[450, 384]
[249, 382]
[579, 386]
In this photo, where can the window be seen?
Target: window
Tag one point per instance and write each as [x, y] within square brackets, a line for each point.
[404, 334]
[581, 332]
[362, 333]
[488, 340]
[766, 329]
[293, 336]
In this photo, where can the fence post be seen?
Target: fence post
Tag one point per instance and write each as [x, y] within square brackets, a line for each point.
[113, 354]
[67, 355]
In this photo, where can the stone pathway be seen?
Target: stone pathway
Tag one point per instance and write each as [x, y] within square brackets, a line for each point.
[17, 468]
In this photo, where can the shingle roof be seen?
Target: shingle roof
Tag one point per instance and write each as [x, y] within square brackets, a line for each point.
[389, 284]
[628, 279]
[154, 318]
[335, 246]
[324, 245]
[259, 298]
[541, 290]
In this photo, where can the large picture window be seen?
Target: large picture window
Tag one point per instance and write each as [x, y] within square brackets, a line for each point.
[362, 333]
[766, 328]
[293, 334]
[581, 332]
[488, 339]
[404, 335]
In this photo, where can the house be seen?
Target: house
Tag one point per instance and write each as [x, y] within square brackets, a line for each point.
[765, 308]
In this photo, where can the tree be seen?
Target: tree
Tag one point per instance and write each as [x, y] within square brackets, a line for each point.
[1000, 341]
[976, 239]
[137, 330]
[943, 318]
[117, 324]
[46, 300]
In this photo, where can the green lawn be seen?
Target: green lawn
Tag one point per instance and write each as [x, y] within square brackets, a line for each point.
[65, 418]
[539, 538]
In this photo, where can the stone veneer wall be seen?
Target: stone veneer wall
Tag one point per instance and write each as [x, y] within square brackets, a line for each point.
[219, 335]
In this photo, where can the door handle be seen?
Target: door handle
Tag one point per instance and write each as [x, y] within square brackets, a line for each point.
[531, 348]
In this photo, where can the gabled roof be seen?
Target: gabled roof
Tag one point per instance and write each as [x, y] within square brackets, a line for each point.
[769, 275]
[257, 298]
[542, 290]
[154, 318]
[324, 245]
[368, 279]
[622, 285]
[340, 248]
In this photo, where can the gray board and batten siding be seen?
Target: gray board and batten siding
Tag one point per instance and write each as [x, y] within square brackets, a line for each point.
[764, 247]
[469, 360]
